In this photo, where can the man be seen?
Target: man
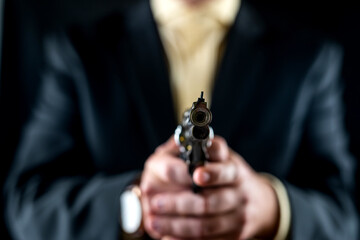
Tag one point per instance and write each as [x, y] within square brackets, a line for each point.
[112, 93]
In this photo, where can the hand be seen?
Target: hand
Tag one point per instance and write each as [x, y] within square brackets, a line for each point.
[236, 202]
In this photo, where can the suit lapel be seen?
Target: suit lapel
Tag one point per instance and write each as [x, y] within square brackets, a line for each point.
[238, 74]
[149, 81]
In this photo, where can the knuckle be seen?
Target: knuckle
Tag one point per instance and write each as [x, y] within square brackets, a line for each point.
[186, 205]
[194, 228]
[229, 200]
[188, 228]
[146, 184]
[221, 141]
[191, 205]
[202, 207]
[146, 188]
[229, 173]
[177, 206]
[150, 161]
[169, 173]
[147, 162]
[168, 205]
[160, 148]
[147, 226]
[211, 226]
[212, 203]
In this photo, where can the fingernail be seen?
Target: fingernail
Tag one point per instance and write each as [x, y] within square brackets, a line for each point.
[160, 204]
[204, 177]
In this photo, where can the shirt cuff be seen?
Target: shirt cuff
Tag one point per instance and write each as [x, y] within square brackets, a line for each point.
[284, 205]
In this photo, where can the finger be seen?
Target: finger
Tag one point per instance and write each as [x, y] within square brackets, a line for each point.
[169, 147]
[190, 227]
[211, 201]
[219, 150]
[216, 174]
[170, 238]
[168, 169]
[152, 184]
[229, 236]
[182, 203]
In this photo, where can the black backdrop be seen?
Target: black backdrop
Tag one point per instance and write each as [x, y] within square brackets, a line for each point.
[27, 21]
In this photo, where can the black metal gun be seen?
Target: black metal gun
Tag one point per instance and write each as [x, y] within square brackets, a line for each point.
[194, 136]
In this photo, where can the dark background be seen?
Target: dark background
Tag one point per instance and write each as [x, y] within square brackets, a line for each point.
[25, 22]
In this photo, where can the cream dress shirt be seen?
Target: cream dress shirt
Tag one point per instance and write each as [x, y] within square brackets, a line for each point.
[193, 36]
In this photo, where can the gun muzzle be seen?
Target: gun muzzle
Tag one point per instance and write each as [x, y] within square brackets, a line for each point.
[200, 116]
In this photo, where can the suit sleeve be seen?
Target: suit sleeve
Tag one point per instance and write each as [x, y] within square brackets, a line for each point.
[320, 184]
[54, 191]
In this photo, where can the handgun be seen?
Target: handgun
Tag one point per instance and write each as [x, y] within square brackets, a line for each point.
[194, 136]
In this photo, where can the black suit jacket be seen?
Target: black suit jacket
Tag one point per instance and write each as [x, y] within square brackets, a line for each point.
[105, 105]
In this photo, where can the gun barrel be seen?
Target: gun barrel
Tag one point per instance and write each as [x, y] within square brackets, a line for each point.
[194, 135]
[200, 116]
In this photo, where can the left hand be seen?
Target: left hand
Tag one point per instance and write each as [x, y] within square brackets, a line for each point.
[236, 202]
